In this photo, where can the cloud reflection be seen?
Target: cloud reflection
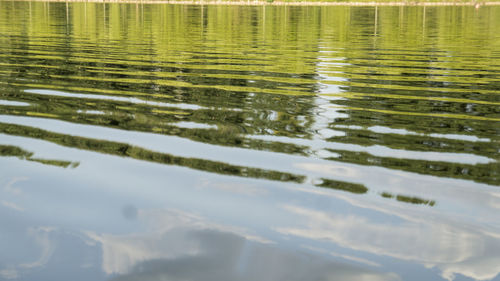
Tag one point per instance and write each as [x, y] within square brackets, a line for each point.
[454, 249]
[182, 246]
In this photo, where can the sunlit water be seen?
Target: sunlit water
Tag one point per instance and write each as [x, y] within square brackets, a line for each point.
[169, 142]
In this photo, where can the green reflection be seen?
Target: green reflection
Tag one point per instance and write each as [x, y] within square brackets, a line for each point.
[126, 150]
[10, 150]
[486, 173]
[344, 186]
[409, 199]
[432, 73]
[63, 164]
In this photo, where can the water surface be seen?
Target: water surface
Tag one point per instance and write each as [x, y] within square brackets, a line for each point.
[171, 142]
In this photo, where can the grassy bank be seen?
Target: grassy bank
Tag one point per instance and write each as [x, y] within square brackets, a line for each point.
[476, 4]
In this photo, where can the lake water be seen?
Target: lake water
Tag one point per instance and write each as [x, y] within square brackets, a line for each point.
[171, 142]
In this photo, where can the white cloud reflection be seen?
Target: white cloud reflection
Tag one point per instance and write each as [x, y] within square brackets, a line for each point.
[451, 247]
[45, 249]
[182, 246]
[167, 237]
[11, 205]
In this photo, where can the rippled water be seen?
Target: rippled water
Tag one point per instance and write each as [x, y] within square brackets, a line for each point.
[170, 142]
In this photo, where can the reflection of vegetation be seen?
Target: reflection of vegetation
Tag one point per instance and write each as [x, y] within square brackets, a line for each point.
[485, 173]
[126, 150]
[143, 118]
[387, 195]
[408, 199]
[415, 200]
[9, 150]
[415, 142]
[263, 76]
[63, 164]
[344, 186]
[361, 189]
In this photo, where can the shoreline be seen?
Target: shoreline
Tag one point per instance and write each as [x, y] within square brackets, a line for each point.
[476, 4]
